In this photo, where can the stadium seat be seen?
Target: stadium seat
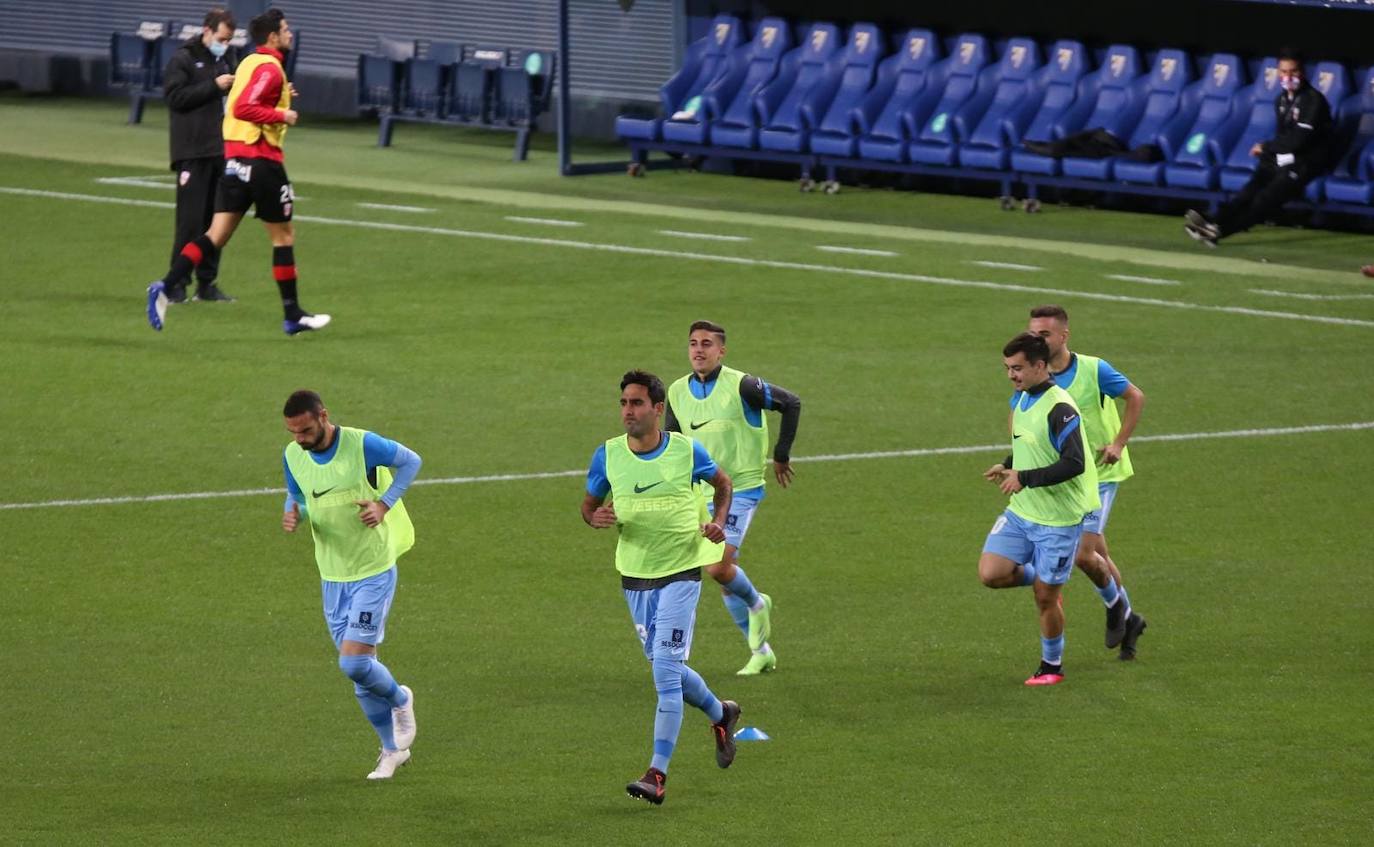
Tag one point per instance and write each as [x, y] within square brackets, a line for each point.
[1258, 101]
[707, 60]
[422, 92]
[1333, 81]
[1159, 97]
[737, 125]
[908, 87]
[378, 84]
[129, 60]
[794, 102]
[837, 133]
[1207, 143]
[473, 84]
[935, 143]
[1015, 100]
[1063, 81]
[136, 63]
[1352, 179]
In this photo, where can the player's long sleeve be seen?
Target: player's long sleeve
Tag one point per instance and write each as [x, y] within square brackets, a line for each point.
[293, 489]
[404, 463]
[1067, 433]
[670, 422]
[774, 398]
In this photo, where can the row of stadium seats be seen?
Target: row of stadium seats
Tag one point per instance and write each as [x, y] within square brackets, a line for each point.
[137, 59]
[963, 107]
[450, 83]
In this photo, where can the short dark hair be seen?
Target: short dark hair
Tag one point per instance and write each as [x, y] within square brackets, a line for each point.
[654, 385]
[1033, 346]
[1291, 54]
[1049, 310]
[217, 17]
[265, 24]
[709, 326]
[301, 402]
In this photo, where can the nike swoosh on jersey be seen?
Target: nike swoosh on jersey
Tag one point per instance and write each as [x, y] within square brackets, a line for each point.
[319, 494]
[639, 490]
[700, 425]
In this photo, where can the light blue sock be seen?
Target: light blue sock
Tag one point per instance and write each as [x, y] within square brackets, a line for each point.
[695, 693]
[1027, 573]
[738, 609]
[1109, 594]
[378, 713]
[742, 588]
[374, 676]
[1052, 650]
[668, 717]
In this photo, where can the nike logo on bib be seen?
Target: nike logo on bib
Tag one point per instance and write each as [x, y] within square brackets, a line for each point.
[702, 424]
[319, 494]
[639, 490]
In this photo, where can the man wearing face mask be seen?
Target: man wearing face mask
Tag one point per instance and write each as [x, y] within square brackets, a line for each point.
[194, 82]
[1287, 162]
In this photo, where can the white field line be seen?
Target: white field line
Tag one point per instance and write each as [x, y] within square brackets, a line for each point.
[704, 236]
[387, 207]
[161, 182]
[1011, 266]
[855, 251]
[545, 221]
[747, 262]
[1148, 280]
[829, 457]
[1304, 296]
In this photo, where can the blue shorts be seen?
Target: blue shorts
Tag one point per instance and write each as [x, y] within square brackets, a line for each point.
[1051, 549]
[737, 522]
[1097, 521]
[356, 611]
[665, 618]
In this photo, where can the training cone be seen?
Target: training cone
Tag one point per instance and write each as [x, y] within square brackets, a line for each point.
[750, 733]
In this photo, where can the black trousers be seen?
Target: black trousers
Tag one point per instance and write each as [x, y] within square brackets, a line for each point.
[196, 182]
[1262, 196]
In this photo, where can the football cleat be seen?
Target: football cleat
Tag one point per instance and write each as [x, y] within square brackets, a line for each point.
[760, 623]
[305, 323]
[388, 762]
[1116, 622]
[724, 731]
[649, 787]
[403, 720]
[1135, 625]
[1206, 235]
[157, 304]
[759, 663]
[208, 292]
[1047, 675]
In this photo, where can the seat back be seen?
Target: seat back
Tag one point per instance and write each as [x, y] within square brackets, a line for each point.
[961, 72]
[1206, 142]
[772, 41]
[424, 87]
[129, 59]
[859, 66]
[1017, 81]
[706, 61]
[912, 68]
[1115, 107]
[1164, 89]
[1258, 101]
[814, 68]
[377, 84]
[1355, 161]
[1067, 63]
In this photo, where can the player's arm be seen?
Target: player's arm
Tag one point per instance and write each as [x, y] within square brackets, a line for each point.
[774, 398]
[670, 422]
[1314, 115]
[997, 472]
[294, 508]
[258, 102]
[1115, 385]
[1066, 434]
[705, 469]
[405, 465]
[595, 512]
[182, 92]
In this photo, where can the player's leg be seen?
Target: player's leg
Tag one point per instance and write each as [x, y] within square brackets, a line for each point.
[643, 611]
[1055, 548]
[275, 201]
[205, 173]
[1006, 558]
[751, 611]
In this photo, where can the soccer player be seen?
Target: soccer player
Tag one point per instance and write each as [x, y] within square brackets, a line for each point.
[1095, 385]
[1052, 488]
[723, 409]
[347, 485]
[256, 114]
[665, 539]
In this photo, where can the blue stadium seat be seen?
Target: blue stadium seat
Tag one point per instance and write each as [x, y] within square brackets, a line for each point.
[908, 87]
[1352, 178]
[837, 133]
[748, 68]
[129, 60]
[769, 53]
[935, 143]
[1208, 142]
[1063, 79]
[794, 105]
[1258, 102]
[378, 84]
[1333, 81]
[422, 92]
[1159, 99]
[706, 61]
[1015, 100]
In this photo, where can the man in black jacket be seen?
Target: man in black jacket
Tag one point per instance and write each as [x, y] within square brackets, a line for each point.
[194, 82]
[1287, 162]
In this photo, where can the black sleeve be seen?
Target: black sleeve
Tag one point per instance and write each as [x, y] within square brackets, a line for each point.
[1310, 129]
[774, 398]
[669, 419]
[1065, 424]
[182, 91]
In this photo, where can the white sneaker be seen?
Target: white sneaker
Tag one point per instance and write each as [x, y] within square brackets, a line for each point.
[388, 762]
[403, 721]
[305, 323]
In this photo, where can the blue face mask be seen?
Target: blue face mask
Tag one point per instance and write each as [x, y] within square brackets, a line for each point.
[218, 48]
